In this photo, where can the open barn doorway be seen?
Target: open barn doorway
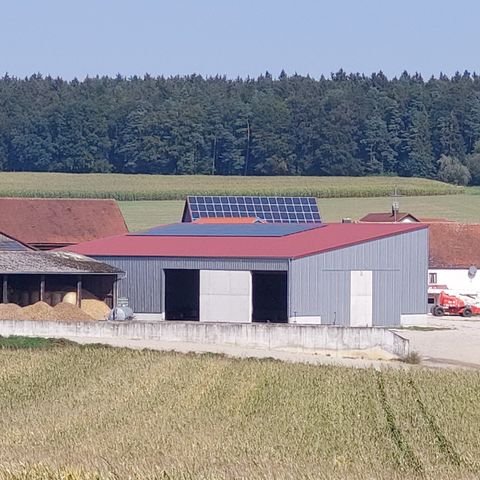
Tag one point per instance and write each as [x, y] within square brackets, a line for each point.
[269, 296]
[182, 295]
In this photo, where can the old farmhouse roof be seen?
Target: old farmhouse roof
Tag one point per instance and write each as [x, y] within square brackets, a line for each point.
[454, 245]
[37, 262]
[291, 245]
[10, 244]
[388, 217]
[45, 223]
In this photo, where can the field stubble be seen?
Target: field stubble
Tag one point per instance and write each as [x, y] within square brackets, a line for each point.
[164, 415]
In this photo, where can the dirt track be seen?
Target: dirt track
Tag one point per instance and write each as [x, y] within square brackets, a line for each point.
[450, 342]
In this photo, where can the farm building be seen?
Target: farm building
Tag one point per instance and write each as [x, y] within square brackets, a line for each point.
[28, 276]
[248, 209]
[400, 217]
[388, 217]
[454, 257]
[46, 224]
[341, 274]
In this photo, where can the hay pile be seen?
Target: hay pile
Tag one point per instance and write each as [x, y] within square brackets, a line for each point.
[41, 311]
[67, 312]
[37, 311]
[97, 309]
[91, 305]
[9, 311]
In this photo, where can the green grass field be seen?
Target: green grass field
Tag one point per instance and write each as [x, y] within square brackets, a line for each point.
[80, 410]
[158, 187]
[464, 208]
[148, 200]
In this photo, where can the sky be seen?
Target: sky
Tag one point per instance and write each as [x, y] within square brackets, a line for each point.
[76, 38]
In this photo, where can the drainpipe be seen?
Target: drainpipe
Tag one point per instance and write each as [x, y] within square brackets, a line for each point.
[79, 291]
[289, 291]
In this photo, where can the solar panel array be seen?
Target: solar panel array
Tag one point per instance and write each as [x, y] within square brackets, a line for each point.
[228, 230]
[269, 209]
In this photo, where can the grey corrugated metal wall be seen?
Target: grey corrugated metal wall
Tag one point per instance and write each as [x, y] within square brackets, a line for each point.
[320, 284]
[143, 285]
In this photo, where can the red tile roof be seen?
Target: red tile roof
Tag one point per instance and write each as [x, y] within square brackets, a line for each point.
[59, 222]
[330, 237]
[387, 217]
[454, 245]
[435, 220]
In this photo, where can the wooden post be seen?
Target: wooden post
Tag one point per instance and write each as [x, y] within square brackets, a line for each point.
[42, 288]
[79, 291]
[5, 289]
[115, 292]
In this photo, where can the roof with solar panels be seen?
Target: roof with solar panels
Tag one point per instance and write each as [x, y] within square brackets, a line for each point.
[243, 227]
[262, 209]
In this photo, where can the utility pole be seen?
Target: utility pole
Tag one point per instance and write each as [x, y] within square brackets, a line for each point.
[214, 154]
[395, 203]
[247, 153]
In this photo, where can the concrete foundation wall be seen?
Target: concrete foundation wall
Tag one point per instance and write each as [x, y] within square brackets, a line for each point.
[307, 320]
[225, 296]
[308, 338]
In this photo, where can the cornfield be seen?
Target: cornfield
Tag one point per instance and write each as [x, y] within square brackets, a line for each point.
[158, 187]
[83, 413]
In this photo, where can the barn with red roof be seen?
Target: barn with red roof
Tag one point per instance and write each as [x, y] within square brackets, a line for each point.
[304, 273]
[48, 223]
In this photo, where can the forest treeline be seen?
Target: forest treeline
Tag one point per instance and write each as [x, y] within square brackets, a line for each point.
[348, 124]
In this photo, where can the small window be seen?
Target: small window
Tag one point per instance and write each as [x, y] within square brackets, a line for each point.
[432, 278]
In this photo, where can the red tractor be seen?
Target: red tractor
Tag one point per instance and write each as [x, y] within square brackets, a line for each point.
[463, 305]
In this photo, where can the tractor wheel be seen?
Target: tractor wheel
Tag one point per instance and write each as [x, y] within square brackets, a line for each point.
[467, 312]
[438, 311]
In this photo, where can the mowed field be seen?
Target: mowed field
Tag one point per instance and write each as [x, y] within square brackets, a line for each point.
[463, 208]
[84, 410]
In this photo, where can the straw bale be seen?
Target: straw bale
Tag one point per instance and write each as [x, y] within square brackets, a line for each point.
[71, 296]
[56, 298]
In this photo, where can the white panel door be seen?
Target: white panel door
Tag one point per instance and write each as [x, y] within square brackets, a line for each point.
[225, 296]
[361, 304]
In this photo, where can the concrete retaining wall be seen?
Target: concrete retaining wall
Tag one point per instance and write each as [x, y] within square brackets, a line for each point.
[302, 338]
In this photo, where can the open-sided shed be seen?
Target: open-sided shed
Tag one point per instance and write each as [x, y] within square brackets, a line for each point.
[30, 276]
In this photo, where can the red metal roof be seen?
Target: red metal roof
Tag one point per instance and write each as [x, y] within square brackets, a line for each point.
[58, 222]
[387, 217]
[330, 237]
[454, 245]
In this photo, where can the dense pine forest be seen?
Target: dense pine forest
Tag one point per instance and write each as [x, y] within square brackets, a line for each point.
[290, 125]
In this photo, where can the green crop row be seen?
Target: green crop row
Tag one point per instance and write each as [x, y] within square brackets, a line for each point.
[158, 187]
